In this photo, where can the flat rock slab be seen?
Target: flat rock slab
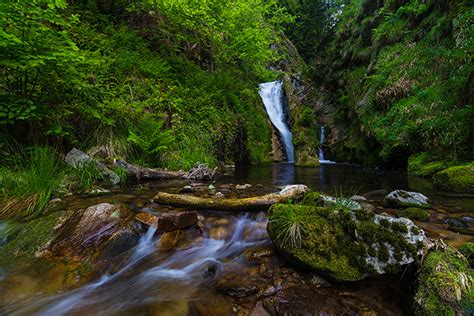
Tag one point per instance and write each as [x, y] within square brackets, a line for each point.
[169, 221]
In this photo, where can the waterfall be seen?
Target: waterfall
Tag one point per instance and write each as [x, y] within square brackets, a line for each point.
[273, 99]
[320, 149]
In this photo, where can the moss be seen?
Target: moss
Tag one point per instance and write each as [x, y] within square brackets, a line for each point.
[399, 227]
[457, 179]
[313, 199]
[363, 215]
[424, 165]
[30, 237]
[416, 213]
[384, 223]
[445, 285]
[334, 244]
[468, 251]
[415, 230]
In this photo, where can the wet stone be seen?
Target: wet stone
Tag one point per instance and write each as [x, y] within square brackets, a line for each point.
[176, 220]
[186, 189]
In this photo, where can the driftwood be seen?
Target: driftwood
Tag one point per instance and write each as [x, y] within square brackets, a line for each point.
[257, 203]
[141, 173]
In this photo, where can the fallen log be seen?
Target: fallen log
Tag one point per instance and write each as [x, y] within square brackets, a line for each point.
[257, 203]
[142, 173]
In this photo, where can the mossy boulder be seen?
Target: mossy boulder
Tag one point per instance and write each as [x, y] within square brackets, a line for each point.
[405, 199]
[445, 285]
[343, 245]
[457, 179]
[425, 166]
[468, 251]
[416, 213]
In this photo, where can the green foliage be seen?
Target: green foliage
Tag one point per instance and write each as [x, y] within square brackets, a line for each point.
[84, 177]
[425, 165]
[290, 223]
[27, 186]
[406, 71]
[416, 213]
[468, 251]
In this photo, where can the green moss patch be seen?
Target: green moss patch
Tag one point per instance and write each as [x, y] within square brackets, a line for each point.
[341, 245]
[456, 179]
[416, 213]
[445, 285]
[468, 251]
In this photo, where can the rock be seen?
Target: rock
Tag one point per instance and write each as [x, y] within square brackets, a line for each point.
[97, 192]
[186, 189]
[226, 186]
[367, 207]
[219, 195]
[147, 218]
[243, 186]
[104, 229]
[322, 199]
[456, 223]
[344, 245]
[457, 179]
[171, 240]
[211, 187]
[79, 159]
[218, 233]
[234, 285]
[375, 193]
[257, 255]
[445, 285]
[416, 213]
[176, 220]
[358, 198]
[404, 199]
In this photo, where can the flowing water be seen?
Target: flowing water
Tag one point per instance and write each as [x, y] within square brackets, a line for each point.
[273, 98]
[228, 267]
[322, 160]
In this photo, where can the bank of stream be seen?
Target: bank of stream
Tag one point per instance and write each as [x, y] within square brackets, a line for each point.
[228, 265]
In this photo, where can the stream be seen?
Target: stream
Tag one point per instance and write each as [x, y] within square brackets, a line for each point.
[230, 267]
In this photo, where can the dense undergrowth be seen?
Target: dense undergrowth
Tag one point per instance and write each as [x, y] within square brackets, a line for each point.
[399, 77]
[159, 83]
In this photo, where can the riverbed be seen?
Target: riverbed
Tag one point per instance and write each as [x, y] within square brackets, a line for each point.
[229, 265]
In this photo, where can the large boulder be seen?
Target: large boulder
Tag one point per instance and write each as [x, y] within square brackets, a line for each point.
[79, 159]
[102, 230]
[405, 199]
[170, 221]
[342, 244]
[457, 179]
[445, 285]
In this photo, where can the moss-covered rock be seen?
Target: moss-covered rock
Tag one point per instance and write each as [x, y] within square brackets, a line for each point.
[445, 285]
[425, 166]
[457, 179]
[25, 239]
[343, 245]
[405, 199]
[416, 213]
[468, 251]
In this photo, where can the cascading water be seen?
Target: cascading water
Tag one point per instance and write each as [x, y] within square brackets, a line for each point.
[272, 97]
[320, 150]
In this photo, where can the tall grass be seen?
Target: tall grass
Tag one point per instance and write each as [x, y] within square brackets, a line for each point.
[290, 222]
[27, 186]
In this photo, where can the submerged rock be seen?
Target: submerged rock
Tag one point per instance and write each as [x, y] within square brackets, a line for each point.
[243, 186]
[344, 245]
[79, 159]
[404, 199]
[457, 179]
[168, 222]
[445, 285]
[103, 229]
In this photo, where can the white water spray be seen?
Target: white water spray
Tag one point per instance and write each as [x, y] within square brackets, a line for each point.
[272, 97]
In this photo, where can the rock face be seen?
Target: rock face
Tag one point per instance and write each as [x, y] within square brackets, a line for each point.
[445, 285]
[404, 199]
[457, 179]
[100, 230]
[343, 245]
[78, 159]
